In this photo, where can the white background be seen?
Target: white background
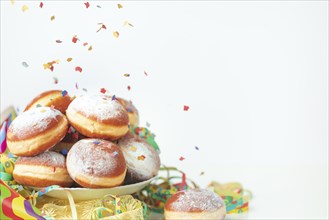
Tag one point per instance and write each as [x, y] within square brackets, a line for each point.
[255, 75]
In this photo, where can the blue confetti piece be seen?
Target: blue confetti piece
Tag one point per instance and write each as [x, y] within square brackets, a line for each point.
[64, 93]
[113, 97]
[97, 142]
[64, 151]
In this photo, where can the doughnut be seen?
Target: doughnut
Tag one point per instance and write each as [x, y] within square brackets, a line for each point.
[143, 162]
[195, 204]
[98, 116]
[36, 131]
[56, 98]
[69, 140]
[132, 111]
[96, 163]
[43, 170]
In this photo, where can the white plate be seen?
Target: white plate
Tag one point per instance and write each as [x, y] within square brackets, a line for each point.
[88, 194]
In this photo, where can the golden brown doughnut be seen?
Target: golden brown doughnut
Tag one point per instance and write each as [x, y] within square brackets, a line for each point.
[98, 116]
[132, 111]
[195, 204]
[43, 170]
[143, 162]
[96, 163]
[49, 98]
[36, 131]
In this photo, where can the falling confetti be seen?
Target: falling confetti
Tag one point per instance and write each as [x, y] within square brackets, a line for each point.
[52, 18]
[141, 157]
[41, 5]
[69, 59]
[148, 124]
[101, 27]
[84, 89]
[75, 39]
[186, 108]
[182, 158]
[75, 135]
[103, 90]
[87, 4]
[59, 41]
[78, 68]
[64, 93]
[98, 6]
[55, 80]
[25, 8]
[202, 173]
[85, 44]
[116, 34]
[64, 151]
[133, 148]
[126, 74]
[50, 65]
[113, 98]
[90, 48]
[96, 142]
[76, 86]
[120, 6]
[145, 73]
[25, 64]
[128, 87]
[196, 148]
[126, 23]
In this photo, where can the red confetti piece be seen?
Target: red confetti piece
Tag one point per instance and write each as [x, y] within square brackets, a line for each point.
[41, 5]
[145, 73]
[85, 44]
[78, 68]
[59, 41]
[182, 158]
[186, 108]
[102, 27]
[74, 39]
[75, 135]
[103, 90]
[55, 80]
[87, 4]
[128, 88]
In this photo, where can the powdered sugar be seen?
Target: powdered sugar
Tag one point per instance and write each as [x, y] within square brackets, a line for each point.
[100, 106]
[94, 157]
[197, 200]
[142, 160]
[48, 158]
[33, 120]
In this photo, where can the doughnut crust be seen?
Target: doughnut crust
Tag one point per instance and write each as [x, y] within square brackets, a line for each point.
[195, 204]
[143, 162]
[132, 111]
[36, 131]
[96, 163]
[43, 170]
[49, 98]
[98, 116]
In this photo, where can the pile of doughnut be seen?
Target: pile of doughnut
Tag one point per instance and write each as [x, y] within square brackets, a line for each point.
[82, 141]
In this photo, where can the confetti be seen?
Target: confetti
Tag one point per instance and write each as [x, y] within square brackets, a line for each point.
[64, 93]
[96, 142]
[182, 158]
[126, 23]
[128, 87]
[113, 98]
[59, 41]
[75, 39]
[196, 148]
[25, 8]
[85, 44]
[141, 157]
[90, 48]
[25, 64]
[98, 6]
[50, 65]
[103, 90]
[52, 18]
[186, 108]
[145, 73]
[38, 105]
[55, 80]
[84, 89]
[116, 34]
[133, 148]
[41, 5]
[101, 27]
[126, 74]
[64, 151]
[202, 173]
[87, 4]
[120, 6]
[114, 153]
[78, 68]
[76, 86]
[75, 135]
[69, 59]
[12, 2]
[148, 124]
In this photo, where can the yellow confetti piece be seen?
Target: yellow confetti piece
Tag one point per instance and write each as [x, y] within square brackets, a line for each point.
[141, 157]
[126, 74]
[24, 8]
[42, 110]
[52, 18]
[57, 61]
[90, 48]
[12, 2]
[46, 66]
[133, 148]
[69, 59]
[120, 6]
[116, 34]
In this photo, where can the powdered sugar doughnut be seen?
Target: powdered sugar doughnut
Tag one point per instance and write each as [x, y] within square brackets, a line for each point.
[96, 163]
[195, 204]
[36, 131]
[132, 111]
[98, 116]
[49, 98]
[143, 161]
[43, 170]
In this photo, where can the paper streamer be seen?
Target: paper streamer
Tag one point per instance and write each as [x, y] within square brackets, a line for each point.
[7, 116]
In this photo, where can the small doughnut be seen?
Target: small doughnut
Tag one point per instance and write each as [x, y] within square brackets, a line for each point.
[132, 111]
[96, 163]
[195, 204]
[98, 116]
[36, 131]
[143, 161]
[43, 170]
[49, 98]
